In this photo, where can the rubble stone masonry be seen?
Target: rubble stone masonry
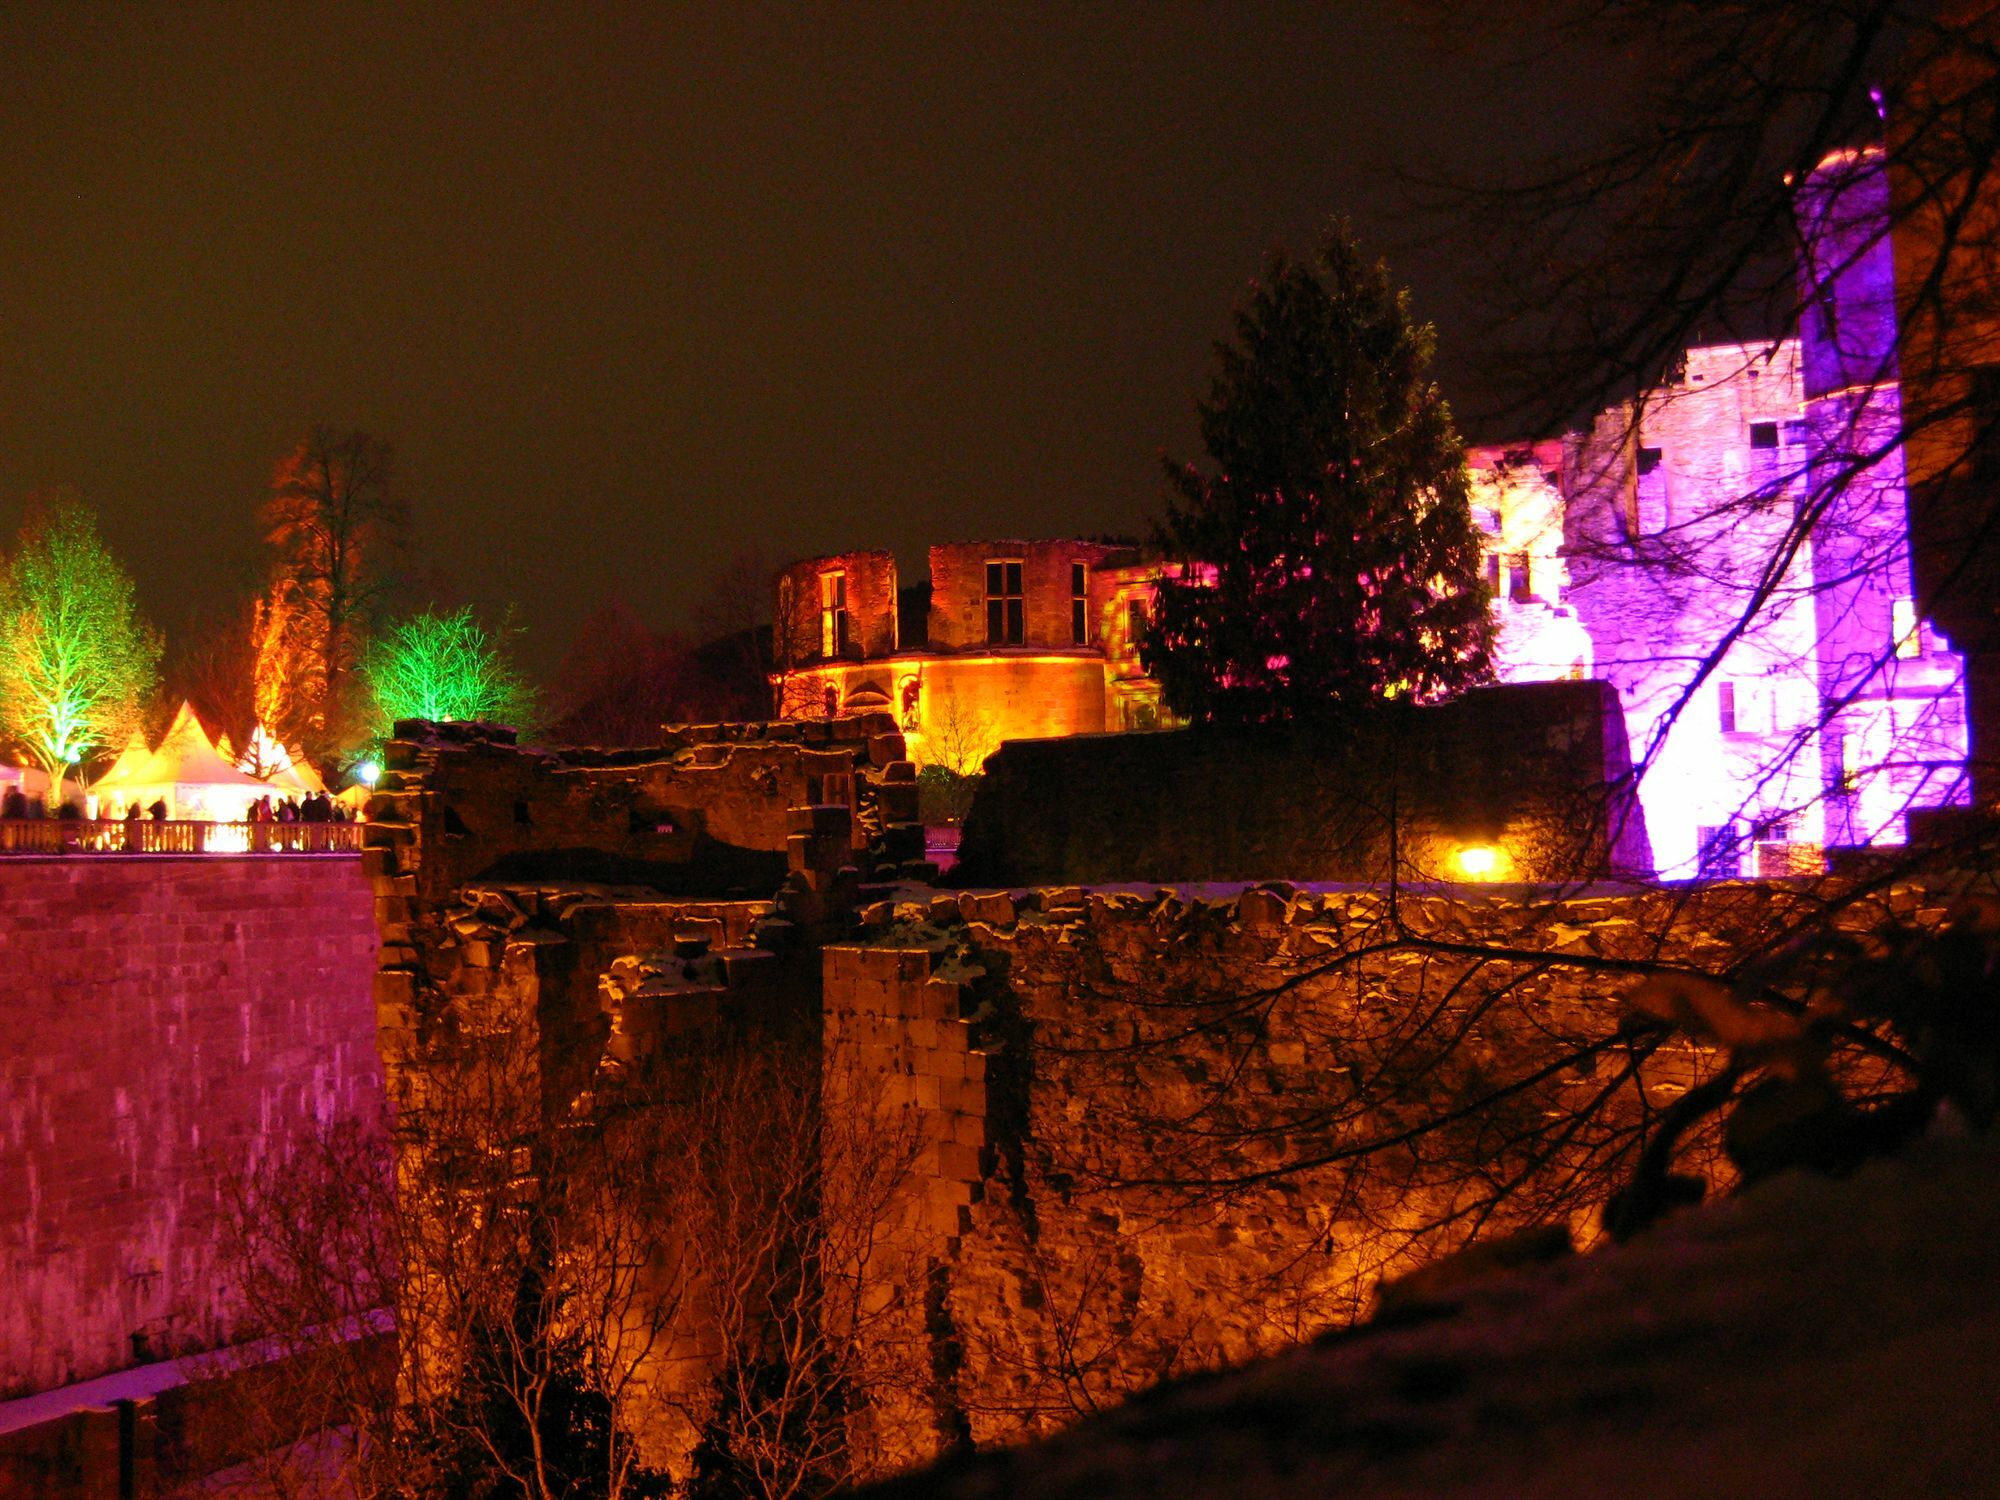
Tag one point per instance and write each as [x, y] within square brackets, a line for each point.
[1109, 1080]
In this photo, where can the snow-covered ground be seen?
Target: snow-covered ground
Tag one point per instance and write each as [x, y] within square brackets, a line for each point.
[1810, 1338]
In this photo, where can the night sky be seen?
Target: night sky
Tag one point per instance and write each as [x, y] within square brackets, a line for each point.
[632, 289]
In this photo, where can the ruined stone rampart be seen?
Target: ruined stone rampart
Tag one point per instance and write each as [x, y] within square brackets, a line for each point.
[1165, 1134]
[706, 814]
[1538, 773]
[163, 1021]
[1151, 1130]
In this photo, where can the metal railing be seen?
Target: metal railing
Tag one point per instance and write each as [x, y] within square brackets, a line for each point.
[145, 836]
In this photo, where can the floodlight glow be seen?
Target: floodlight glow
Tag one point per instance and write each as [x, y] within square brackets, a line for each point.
[1478, 861]
[368, 773]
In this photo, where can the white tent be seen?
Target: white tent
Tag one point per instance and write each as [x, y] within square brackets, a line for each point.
[186, 772]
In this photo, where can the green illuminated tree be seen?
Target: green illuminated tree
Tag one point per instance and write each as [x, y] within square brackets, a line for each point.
[445, 667]
[1329, 557]
[77, 663]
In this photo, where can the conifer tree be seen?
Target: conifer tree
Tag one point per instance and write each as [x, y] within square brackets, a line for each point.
[1328, 556]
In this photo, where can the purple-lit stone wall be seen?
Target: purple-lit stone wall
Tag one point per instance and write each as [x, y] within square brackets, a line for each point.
[163, 1020]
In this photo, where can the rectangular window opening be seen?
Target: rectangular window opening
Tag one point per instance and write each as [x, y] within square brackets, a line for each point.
[1764, 434]
[1520, 583]
[1137, 617]
[1903, 628]
[1649, 460]
[1005, 615]
[833, 614]
[1079, 604]
[1721, 856]
[1725, 706]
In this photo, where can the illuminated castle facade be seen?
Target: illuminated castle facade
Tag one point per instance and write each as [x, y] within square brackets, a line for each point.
[1009, 640]
[1731, 551]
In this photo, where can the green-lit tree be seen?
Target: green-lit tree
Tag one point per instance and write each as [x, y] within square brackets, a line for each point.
[445, 667]
[1328, 556]
[77, 662]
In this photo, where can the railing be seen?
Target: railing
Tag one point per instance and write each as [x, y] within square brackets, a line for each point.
[144, 836]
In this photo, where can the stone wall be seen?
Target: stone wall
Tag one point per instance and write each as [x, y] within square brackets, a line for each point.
[870, 577]
[164, 1019]
[1109, 1084]
[958, 590]
[706, 814]
[1537, 772]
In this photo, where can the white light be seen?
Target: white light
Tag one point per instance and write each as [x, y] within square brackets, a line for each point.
[368, 773]
[1478, 861]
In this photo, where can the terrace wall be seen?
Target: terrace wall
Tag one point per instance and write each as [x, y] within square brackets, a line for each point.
[161, 1019]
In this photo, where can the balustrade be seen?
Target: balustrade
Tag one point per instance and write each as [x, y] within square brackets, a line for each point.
[145, 836]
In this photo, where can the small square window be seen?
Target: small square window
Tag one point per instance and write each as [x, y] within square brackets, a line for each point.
[1763, 434]
[1649, 460]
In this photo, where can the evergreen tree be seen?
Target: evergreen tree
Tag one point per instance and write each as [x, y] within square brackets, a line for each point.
[77, 662]
[1329, 557]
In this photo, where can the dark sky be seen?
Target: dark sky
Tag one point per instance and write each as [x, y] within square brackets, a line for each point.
[632, 288]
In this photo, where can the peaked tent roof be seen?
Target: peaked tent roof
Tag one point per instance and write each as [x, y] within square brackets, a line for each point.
[134, 755]
[185, 757]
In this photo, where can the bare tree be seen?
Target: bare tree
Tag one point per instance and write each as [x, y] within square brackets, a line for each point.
[333, 522]
[586, 1280]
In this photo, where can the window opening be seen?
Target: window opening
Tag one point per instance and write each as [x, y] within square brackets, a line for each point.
[833, 614]
[1005, 617]
[1721, 856]
[1519, 583]
[1079, 604]
[1903, 627]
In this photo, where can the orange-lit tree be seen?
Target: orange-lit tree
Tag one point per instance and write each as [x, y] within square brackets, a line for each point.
[77, 662]
[332, 522]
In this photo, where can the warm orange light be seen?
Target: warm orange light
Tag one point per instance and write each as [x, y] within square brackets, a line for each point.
[1478, 861]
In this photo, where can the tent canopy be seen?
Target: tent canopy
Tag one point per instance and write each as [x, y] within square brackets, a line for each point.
[186, 772]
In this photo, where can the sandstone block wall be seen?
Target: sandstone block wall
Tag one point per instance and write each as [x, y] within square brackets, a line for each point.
[1538, 771]
[160, 1020]
[958, 590]
[871, 607]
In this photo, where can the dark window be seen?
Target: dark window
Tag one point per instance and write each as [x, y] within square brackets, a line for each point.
[1079, 604]
[1493, 572]
[1649, 460]
[1725, 706]
[1721, 853]
[1005, 620]
[1983, 447]
[1520, 583]
[521, 813]
[1137, 617]
[1763, 434]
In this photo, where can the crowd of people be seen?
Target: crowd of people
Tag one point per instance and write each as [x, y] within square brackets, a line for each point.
[316, 807]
